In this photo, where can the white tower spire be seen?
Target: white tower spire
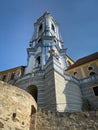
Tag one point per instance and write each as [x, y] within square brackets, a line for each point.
[46, 36]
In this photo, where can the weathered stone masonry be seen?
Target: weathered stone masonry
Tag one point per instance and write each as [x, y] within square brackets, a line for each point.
[16, 108]
[47, 120]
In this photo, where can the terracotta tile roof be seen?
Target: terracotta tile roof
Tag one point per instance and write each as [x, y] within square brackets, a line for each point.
[84, 60]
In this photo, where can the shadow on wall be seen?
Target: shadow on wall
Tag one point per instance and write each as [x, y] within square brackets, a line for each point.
[73, 97]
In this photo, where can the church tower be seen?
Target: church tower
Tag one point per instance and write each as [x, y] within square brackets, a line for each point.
[46, 37]
[44, 77]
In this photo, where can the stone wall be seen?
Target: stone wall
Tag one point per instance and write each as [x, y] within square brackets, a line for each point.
[16, 108]
[36, 79]
[89, 95]
[49, 94]
[47, 120]
[17, 112]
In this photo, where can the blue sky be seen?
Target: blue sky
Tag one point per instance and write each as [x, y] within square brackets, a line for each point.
[78, 21]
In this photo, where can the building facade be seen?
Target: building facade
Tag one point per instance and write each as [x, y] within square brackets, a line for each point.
[84, 67]
[12, 75]
[86, 71]
[45, 77]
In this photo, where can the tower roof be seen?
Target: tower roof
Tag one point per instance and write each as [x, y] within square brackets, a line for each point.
[46, 14]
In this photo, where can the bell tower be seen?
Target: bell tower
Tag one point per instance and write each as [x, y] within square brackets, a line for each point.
[46, 36]
[45, 78]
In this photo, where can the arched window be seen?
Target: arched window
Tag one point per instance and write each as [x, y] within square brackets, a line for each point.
[75, 73]
[90, 68]
[55, 41]
[40, 27]
[40, 40]
[52, 26]
[92, 74]
[38, 59]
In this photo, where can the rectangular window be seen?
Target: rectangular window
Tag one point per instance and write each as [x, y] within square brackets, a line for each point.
[95, 90]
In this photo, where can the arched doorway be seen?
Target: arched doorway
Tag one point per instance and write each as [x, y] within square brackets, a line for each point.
[32, 89]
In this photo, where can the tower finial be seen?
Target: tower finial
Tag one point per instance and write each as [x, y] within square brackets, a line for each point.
[46, 12]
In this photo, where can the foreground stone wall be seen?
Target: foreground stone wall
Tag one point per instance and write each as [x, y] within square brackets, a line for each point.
[16, 108]
[46, 120]
[17, 112]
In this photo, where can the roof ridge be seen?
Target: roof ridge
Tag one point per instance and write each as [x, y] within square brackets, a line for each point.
[84, 60]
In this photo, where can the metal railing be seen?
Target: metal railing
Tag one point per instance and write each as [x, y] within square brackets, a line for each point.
[89, 79]
[70, 77]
